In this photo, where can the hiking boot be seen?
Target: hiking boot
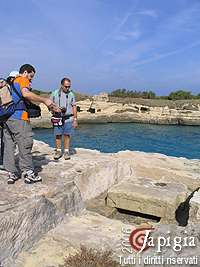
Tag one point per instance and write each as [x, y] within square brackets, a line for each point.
[12, 178]
[58, 154]
[30, 177]
[66, 155]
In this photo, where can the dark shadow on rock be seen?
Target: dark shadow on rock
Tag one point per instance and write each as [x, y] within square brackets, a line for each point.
[73, 151]
[40, 157]
[183, 210]
[40, 160]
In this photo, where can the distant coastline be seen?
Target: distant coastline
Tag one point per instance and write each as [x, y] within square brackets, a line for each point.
[105, 109]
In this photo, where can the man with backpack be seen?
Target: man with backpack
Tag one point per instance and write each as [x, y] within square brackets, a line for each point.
[5, 98]
[19, 131]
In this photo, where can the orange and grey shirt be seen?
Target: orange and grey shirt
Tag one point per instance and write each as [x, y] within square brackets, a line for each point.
[19, 83]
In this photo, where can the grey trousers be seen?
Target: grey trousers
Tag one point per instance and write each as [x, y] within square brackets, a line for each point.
[23, 137]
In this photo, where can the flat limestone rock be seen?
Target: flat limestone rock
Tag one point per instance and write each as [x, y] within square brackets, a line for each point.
[162, 168]
[195, 208]
[148, 197]
[27, 212]
[98, 232]
[89, 229]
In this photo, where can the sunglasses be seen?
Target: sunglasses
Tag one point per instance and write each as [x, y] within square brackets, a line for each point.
[67, 87]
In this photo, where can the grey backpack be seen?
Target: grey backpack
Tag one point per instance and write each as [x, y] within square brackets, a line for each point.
[5, 93]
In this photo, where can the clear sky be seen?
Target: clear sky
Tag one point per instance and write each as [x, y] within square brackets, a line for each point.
[104, 44]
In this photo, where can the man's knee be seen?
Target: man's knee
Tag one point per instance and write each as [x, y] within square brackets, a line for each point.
[27, 143]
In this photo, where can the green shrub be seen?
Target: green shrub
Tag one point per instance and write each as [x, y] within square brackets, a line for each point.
[180, 95]
[133, 94]
[175, 95]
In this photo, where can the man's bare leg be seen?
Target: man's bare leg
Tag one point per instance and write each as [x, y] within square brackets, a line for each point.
[66, 142]
[58, 152]
[66, 146]
[58, 142]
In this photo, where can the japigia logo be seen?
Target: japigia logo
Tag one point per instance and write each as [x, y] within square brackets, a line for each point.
[141, 240]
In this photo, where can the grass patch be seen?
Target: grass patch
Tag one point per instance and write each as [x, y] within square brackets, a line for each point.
[90, 258]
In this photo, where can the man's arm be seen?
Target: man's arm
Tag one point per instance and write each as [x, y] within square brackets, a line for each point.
[75, 122]
[35, 98]
[74, 111]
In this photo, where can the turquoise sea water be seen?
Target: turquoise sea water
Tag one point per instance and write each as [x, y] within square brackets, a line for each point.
[180, 141]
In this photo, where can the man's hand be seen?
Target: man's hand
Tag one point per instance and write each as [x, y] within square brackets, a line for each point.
[75, 123]
[56, 108]
[51, 106]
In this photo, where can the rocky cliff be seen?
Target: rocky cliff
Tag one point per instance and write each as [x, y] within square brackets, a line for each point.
[41, 224]
[102, 109]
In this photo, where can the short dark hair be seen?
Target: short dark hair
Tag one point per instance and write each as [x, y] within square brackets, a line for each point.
[65, 79]
[27, 67]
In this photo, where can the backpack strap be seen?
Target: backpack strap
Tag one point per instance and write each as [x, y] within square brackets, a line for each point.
[17, 93]
[55, 95]
[59, 96]
[4, 125]
[21, 103]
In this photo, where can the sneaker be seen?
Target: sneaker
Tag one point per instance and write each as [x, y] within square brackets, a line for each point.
[12, 178]
[30, 177]
[58, 154]
[66, 155]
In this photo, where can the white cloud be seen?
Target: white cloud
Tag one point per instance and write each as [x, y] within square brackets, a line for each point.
[116, 29]
[187, 19]
[158, 57]
[126, 35]
[164, 39]
[148, 12]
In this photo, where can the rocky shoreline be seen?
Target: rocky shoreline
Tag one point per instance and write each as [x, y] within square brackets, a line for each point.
[43, 223]
[110, 110]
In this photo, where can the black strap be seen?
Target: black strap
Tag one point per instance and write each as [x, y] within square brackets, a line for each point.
[59, 96]
[2, 144]
[5, 126]
[9, 131]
